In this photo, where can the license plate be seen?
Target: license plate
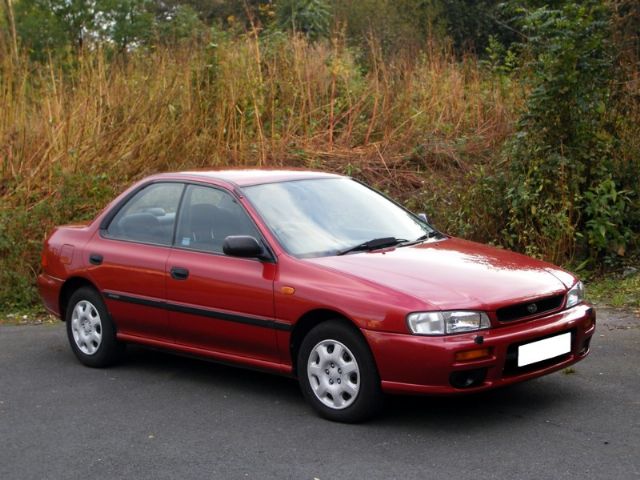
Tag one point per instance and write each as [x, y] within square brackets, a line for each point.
[544, 349]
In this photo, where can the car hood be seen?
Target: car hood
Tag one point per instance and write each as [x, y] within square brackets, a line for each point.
[454, 274]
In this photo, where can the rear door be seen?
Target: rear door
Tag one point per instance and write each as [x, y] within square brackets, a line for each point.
[219, 303]
[129, 259]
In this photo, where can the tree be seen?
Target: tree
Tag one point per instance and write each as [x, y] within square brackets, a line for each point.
[126, 22]
[43, 26]
[178, 23]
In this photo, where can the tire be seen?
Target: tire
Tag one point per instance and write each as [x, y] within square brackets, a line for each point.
[337, 373]
[90, 330]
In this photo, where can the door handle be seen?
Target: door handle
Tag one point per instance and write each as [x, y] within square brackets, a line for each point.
[179, 273]
[95, 259]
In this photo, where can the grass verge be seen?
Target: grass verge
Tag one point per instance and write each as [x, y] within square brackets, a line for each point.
[616, 291]
[35, 315]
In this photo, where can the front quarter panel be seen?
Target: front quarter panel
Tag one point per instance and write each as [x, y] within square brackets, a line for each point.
[368, 305]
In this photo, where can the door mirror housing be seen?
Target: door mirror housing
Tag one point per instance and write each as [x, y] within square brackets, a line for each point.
[244, 246]
[424, 217]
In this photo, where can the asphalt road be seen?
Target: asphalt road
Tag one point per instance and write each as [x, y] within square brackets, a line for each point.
[162, 416]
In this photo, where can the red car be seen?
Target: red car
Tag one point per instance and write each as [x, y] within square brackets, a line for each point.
[312, 275]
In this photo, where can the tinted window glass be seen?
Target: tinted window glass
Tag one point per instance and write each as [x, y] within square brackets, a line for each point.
[149, 216]
[208, 216]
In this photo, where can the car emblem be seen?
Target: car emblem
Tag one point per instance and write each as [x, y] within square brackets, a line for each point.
[532, 308]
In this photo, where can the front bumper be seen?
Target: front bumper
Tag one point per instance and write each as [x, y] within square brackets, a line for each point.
[424, 365]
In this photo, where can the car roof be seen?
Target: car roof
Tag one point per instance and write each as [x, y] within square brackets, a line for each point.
[247, 177]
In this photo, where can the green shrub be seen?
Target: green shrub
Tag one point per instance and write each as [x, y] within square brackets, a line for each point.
[311, 17]
[562, 197]
[24, 227]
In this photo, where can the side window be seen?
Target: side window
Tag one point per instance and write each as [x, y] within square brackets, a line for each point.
[149, 216]
[208, 216]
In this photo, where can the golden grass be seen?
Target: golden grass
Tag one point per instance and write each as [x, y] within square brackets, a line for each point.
[404, 124]
[241, 103]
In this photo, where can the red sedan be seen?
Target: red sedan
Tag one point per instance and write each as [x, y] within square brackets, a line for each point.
[312, 275]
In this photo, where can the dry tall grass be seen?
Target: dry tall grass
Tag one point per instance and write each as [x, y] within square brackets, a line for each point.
[71, 136]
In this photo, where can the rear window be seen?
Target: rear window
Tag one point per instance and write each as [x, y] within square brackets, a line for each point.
[149, 216]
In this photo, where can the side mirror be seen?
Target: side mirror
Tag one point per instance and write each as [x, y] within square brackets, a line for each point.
[242, 246]
[424, 217]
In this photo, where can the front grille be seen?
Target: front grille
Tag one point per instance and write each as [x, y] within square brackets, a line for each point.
[529, 309]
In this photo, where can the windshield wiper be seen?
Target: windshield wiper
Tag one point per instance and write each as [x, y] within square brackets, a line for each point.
[374, 244]
[426, 236]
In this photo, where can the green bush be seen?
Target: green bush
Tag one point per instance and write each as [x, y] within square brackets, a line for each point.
[24, 227]
[562, 197]
[311, 17]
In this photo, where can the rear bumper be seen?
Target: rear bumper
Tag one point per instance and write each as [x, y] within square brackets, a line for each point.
[424, 365]
[49, 289]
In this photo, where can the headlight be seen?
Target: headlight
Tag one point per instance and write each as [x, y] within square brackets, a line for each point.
[575, 295]
[443, 323]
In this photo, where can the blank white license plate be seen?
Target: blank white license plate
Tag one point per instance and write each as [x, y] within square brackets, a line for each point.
[544, 349]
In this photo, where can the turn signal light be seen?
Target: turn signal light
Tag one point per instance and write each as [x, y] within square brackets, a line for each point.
[473, 354]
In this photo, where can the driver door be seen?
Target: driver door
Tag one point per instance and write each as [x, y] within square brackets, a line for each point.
[216, 302]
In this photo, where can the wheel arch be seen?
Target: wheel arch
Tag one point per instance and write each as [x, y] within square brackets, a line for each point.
[308, 321]
[71, 285]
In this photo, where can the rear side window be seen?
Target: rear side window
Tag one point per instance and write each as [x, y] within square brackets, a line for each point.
[209, 215]
[149, 216]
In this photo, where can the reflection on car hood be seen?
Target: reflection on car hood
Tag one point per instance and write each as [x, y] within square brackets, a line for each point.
[454, 273]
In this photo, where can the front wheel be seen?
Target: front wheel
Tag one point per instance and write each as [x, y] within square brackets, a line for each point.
[337, 373]
[90, 331]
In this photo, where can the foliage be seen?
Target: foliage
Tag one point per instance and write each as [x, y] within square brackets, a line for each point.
[125, 22]
[606, 209]
[52, 25]
[21, 228]
[417, 24]
[310, 17]
[392, 24]
[471, 23]
[562, 198]
[180, 23]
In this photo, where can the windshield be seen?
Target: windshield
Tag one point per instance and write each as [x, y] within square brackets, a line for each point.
[327, 216]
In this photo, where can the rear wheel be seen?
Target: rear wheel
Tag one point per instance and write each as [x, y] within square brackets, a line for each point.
[337, 373]
[90, 330]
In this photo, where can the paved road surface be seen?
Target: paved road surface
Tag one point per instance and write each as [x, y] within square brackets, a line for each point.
[160, 416]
